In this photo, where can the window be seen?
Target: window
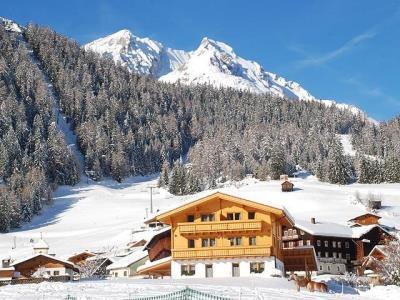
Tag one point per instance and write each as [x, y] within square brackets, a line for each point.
[334, 254]
[207, 218]
[190, 218]
[319, 253]
[319, 243]
[301, 232]
[294, 232]
[347, 256]
[235, 241]
[320, 267]
[257, 267]
[125, 273]
[290, 232]
[208, 242]
[252, 241]
[329, 268]
[339, 244]
[308, 243]
[233, 216]
[334, 244]
[252, 215]
[340, 254]
[291, 244]
[56, 273]
[326, 254]
[338, 268]
[190, 243]
[285, 233]
[326, 243]
[187, 270]
[347, 245]
[300, 243]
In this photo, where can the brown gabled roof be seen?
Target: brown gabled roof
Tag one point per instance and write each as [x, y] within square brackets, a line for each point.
[163, 217]
[365, 215]
[287, 181]
[53, 258]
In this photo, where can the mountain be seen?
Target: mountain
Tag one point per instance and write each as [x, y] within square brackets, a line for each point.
[140, 55]
[213, 63]
[10, 25]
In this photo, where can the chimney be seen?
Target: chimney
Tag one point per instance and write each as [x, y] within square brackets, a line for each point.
[312, 220]
[6, 263]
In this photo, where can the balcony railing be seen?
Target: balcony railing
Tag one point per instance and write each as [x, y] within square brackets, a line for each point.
[290, 237]
[220, 226]
[233, 251]
[332, 260]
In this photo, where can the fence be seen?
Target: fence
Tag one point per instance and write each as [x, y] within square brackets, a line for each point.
[185, 294]
[35, 280]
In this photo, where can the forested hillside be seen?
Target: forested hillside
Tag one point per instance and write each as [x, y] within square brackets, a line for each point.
[33, 155]
[133, 125]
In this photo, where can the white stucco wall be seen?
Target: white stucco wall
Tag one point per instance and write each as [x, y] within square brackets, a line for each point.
[331, 268]
[223, 267]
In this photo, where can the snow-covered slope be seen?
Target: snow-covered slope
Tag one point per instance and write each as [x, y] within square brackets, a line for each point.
[217, 64]
[141, 55]
[213, 63]
[109, 215]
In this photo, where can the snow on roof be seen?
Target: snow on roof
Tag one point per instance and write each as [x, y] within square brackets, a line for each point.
[333, 229]
[149, 263]
[40, 244]
[366, 214]
[128, 260]
[165, 229]
[247, 195]
[42, 254]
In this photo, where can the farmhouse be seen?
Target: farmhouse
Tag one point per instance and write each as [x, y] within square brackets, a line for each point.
[219, 236]
[127, 266]
[339, 248]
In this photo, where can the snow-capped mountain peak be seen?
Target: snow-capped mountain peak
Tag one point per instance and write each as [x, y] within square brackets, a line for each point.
[213, 62]
[10, 25]
[142, 55]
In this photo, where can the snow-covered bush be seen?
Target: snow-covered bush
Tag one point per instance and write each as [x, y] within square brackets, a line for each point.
[389, 267]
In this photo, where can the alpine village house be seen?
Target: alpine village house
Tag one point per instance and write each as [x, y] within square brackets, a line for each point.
[222, 235]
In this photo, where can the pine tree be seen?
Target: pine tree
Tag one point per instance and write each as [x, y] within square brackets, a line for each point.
[277, 161]
[335, 167]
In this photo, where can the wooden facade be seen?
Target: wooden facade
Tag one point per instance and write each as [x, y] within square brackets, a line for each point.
[80, 258]
[366, 219]
[27, 267]
[232, 227]
[287, 186]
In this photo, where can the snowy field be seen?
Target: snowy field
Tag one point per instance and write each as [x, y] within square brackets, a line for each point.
[234, 288]
[108, 215]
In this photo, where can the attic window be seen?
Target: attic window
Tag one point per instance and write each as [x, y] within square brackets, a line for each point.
[190, 218]
[252, 215]
[233, 216]
[207, 218]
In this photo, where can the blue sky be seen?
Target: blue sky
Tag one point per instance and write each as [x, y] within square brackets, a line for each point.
[342, 50]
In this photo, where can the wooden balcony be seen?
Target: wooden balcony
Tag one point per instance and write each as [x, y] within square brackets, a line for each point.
[290, 237]
[228, 252]
[220, 226]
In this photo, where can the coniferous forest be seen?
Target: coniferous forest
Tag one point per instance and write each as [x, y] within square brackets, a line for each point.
[194, 136]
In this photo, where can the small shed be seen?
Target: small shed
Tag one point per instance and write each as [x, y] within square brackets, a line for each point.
[287, 186]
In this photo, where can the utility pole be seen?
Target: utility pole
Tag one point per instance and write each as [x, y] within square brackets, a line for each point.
[151, 198]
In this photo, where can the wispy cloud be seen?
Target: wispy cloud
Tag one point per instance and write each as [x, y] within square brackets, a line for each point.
[372, 91]
[317, 60]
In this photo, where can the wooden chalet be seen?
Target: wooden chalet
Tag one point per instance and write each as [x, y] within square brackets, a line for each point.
[80, 258]
[159, 252]
[339, 248]
[47, 264]
[366, 219]
[220, 235]
[287, 186]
